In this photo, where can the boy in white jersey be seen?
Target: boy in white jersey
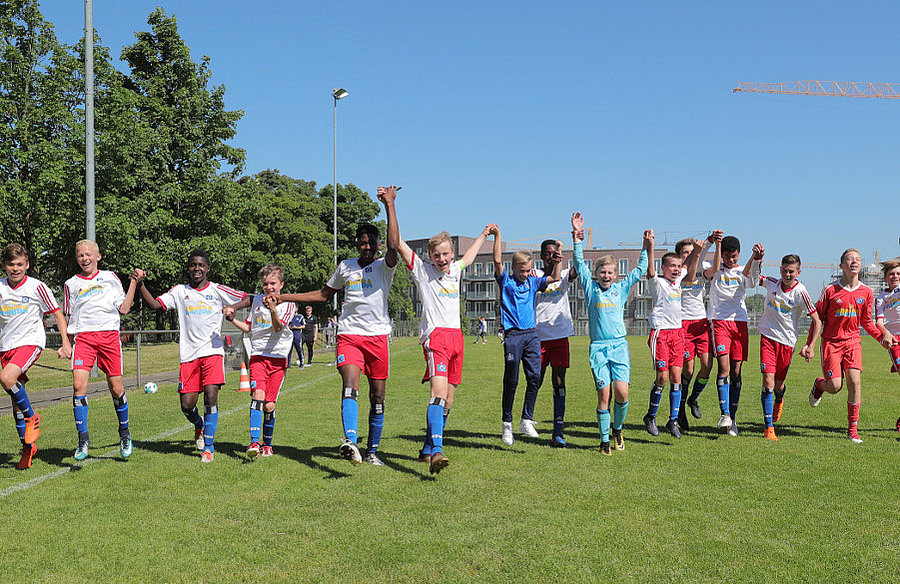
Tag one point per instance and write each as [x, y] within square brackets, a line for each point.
[554, 326]
[786, 300]
[200, 305]
[728, 313]
[94, 301]
[666, 339]
[362, 336]
[23, 303]
[439, 329]
[887, 311]
[696, 328]
[270, 345]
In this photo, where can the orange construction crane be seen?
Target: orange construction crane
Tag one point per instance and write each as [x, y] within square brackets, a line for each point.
[832, 88]
[524, 243]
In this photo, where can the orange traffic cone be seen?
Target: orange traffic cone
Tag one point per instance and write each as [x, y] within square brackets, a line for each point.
[245, 378]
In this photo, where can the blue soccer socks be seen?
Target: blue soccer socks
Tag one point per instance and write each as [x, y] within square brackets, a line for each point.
[434, 419]
[376, 426]
[193, 416]
[256, 419]
[268, 428]
[674, 401]
[768, 406]
[350, 413]
[210, 424]
[723, 387]
[655, 398]
[20, 399]
[699, 386]
[80, 409]
[121, 406]
[20, 425]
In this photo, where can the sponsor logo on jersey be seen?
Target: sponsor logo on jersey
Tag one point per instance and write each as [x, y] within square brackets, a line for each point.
[605, 305]
[848, 312]
[199, 309]
[359, 284]
[892, 302]
[448, 293]
[730, 280]
[778, 306]
[14, 309]
[90, 291]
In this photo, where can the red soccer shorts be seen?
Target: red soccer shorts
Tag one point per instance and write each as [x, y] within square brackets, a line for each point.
[22, 357]
[774, 357]
[838, 356]
[696, 337]
[731, 338]
[104, 347]
[267, 374]
[209, 370]
[555, 353]
[666, 348]
[369, 353]
[895, 358]
[444, 355]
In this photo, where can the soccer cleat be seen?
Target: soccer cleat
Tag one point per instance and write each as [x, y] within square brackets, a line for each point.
[777, 409]
[604, 449]
[814, 396]
[349, 451]
[207, 456]
[125, 446]
[618, 440]
[695, 408]
[733, 429]
[32, 429]
[438, 463]
[198, 438]
[770, 434]
[558, 441]
[650, 425]
[527, 427]
[254, 450]
[683, 420]
[28, 451]
[506, 433]
[426, 458]
[672, 428]
[372, 458]
[724, 421]
[898, 424]
[853, 435]
[82, 451]
[266, 450]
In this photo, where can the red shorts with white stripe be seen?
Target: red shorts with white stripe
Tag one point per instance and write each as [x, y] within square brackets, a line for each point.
[895, 358]
[555, 353]
[444, 355]
[838, 356]
[696, 337]
[666, 348]
[369, 353]
[731, 338]
[22, 357]
[104, 347]
[774, 357]
[267, 374]
[194, 375]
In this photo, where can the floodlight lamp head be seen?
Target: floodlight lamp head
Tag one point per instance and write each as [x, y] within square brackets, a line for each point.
[339, 93]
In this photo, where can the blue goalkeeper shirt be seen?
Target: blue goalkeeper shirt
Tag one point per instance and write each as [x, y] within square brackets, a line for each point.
[606, 308]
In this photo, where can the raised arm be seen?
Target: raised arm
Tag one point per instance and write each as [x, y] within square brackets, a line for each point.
[387, 195]
[469, 256]
[636, 274]
[140, 275]
[322, 295]
[651, 265]
[579, 265]
[752, 267]
[125, 307]
[693, 260]
[715, 238]
[498, 264]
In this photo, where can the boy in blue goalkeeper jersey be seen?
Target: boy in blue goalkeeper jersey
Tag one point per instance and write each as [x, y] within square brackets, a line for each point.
[610, 361]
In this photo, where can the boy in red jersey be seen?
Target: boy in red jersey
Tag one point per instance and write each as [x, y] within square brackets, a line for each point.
[844, 306]
[887, 311]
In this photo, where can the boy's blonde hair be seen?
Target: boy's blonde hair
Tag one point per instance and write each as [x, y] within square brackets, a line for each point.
[87, 243]
[270, 269]
[889, 265]
[521, 257]
[438, 239]
[605, 260]
[849, 250]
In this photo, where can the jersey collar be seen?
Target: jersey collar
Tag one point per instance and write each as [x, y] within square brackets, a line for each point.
[781, 285]
[19, 285]
[89, 277]
[199, 289]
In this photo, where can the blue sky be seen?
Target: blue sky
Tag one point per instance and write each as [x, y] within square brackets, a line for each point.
[521, 112]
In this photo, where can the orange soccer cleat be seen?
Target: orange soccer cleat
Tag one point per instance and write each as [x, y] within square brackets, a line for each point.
[28, 451]
[770, 434]
[32, 428]
[777, 409]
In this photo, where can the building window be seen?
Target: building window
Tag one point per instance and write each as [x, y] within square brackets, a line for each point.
[623, 266]
[489, 269]
[507, 267]
[657, 265]
[478, 269]
[539, 264]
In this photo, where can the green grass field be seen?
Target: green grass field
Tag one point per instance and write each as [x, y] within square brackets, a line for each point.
[708, 508]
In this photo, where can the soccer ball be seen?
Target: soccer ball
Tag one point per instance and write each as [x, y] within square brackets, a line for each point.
[150, 387]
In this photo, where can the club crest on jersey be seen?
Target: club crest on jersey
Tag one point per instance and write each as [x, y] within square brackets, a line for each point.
[660, 363]
[720, 348]
[341, 358]
[897, 360]
[762, 367]
[180, 386]
[860, 300]
[79, 362]
[687, 355]
[368, 269]
[509, 357]
[25, 298]
[252, 385]
[829, 374]
[442, 368]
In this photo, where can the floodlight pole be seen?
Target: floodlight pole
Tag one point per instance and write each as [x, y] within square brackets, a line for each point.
[337, 94]
[90, 224]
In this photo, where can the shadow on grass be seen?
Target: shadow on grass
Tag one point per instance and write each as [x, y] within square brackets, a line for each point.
[392, 461]
[182, 447]
[465, 439]
[308, 458]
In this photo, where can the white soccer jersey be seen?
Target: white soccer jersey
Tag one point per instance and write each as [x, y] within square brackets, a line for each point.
[728, 290]
[22, 311]
[365, 308]
[783, 309]
[200, 317]
[439, 293]
[93, 303]
[887, 306]
[666, 311]
[692, 307]
[551, 309]
[264, 340]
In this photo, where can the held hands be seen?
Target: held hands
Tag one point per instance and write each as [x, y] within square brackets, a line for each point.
[64, 352]
[807, 352]
[138, 275]
[888, 340]
[387, 194]
[759, 251]
[716, 236]
[270, 302]
[577, 227]
[491, 229]
[558, 255]
[228, 313]
[274, 297]
[649, 236]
